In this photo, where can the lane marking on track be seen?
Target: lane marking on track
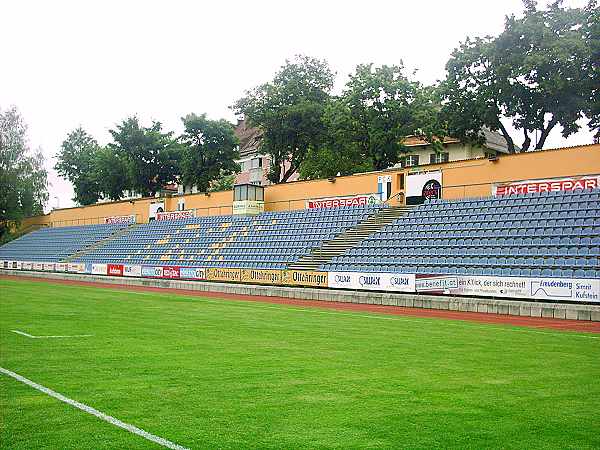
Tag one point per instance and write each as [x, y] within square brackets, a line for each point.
[22, 333]
[88, 409]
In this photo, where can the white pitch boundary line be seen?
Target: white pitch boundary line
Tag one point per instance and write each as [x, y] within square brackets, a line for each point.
[88, 409]
[22, 333]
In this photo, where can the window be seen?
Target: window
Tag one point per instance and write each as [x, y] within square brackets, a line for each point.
[441, 157]
[411, 160]
[255, 163]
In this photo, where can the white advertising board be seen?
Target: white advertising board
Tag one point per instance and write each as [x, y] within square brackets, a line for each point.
[192, 273]
[578, 290]
[548, 185]
[120, 219]
[38, 266]
[99, 269]
[76, 267]
[392, 282]
[27, 265]
[423, 186]
[49, 267]
[132, 270]
[61, 267]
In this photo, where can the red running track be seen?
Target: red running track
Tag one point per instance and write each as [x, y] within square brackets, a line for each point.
[532, 322]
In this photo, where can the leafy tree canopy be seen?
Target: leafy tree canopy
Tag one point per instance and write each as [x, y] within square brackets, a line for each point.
[23, 178]
[110, 173]
[150, 156]
[76, 162]
[385, 106]
[209, 151]
[536, 74]
[289, 110]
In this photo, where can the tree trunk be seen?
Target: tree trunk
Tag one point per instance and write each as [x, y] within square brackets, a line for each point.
[545, 133]
[526, 142]
[507, 138]
[288, 173]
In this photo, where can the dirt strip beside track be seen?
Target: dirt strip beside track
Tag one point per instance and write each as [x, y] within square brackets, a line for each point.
[532, 322]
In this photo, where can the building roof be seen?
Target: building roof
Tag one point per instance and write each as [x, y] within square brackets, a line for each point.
[249, 137]
[493, 141]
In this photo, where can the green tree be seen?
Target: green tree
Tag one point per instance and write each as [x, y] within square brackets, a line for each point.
[535, 74]
[289, 110]
[110, 173]
[339, 153]
[223, 183]
[591, 33]
[384, 107]
[76, 163]
[209, 151]
[151, 157]
[23, 178]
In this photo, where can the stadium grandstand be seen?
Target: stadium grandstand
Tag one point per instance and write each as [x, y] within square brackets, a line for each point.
[419, 232]
[523, 235]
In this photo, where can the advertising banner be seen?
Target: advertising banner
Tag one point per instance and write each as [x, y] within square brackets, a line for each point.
[548, 185]
[192, 273]
[4, 264]
[27, 266]
[38, 266]
[336, 202]
[392, 282]
[61, 267]
[218, 274]
[78, 268]
[170, 272]
[132, 270]
[582, 290]
[248, 207]
[18, 265]
[423, 186]
[152, 271]
[175, 215]
[13, 265]
[120, 219]
[48, 267]
[116, 270]
[99, 269]
[305, 278]
[262, 276]
[154, 209]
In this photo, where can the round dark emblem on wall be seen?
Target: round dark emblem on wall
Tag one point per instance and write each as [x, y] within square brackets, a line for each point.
[432, 189]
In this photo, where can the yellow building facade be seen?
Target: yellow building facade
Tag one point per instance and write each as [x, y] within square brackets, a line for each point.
[459, 179]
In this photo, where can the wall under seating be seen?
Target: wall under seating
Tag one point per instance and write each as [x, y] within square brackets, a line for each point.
[564, 290]
[460, 179]
[454, 303]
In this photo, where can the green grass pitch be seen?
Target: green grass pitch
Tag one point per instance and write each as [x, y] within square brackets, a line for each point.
[208, 373]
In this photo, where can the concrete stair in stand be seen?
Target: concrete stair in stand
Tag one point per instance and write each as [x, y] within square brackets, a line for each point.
[349, 238]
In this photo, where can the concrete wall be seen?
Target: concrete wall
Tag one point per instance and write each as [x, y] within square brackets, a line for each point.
[481, 305]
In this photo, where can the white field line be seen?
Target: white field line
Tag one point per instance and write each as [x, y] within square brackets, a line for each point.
[22, 333]
[88, 409]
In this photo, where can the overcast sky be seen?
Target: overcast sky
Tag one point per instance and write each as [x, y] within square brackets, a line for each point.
[93, 63]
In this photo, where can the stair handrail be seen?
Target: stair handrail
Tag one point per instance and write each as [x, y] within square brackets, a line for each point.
[397, 194]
